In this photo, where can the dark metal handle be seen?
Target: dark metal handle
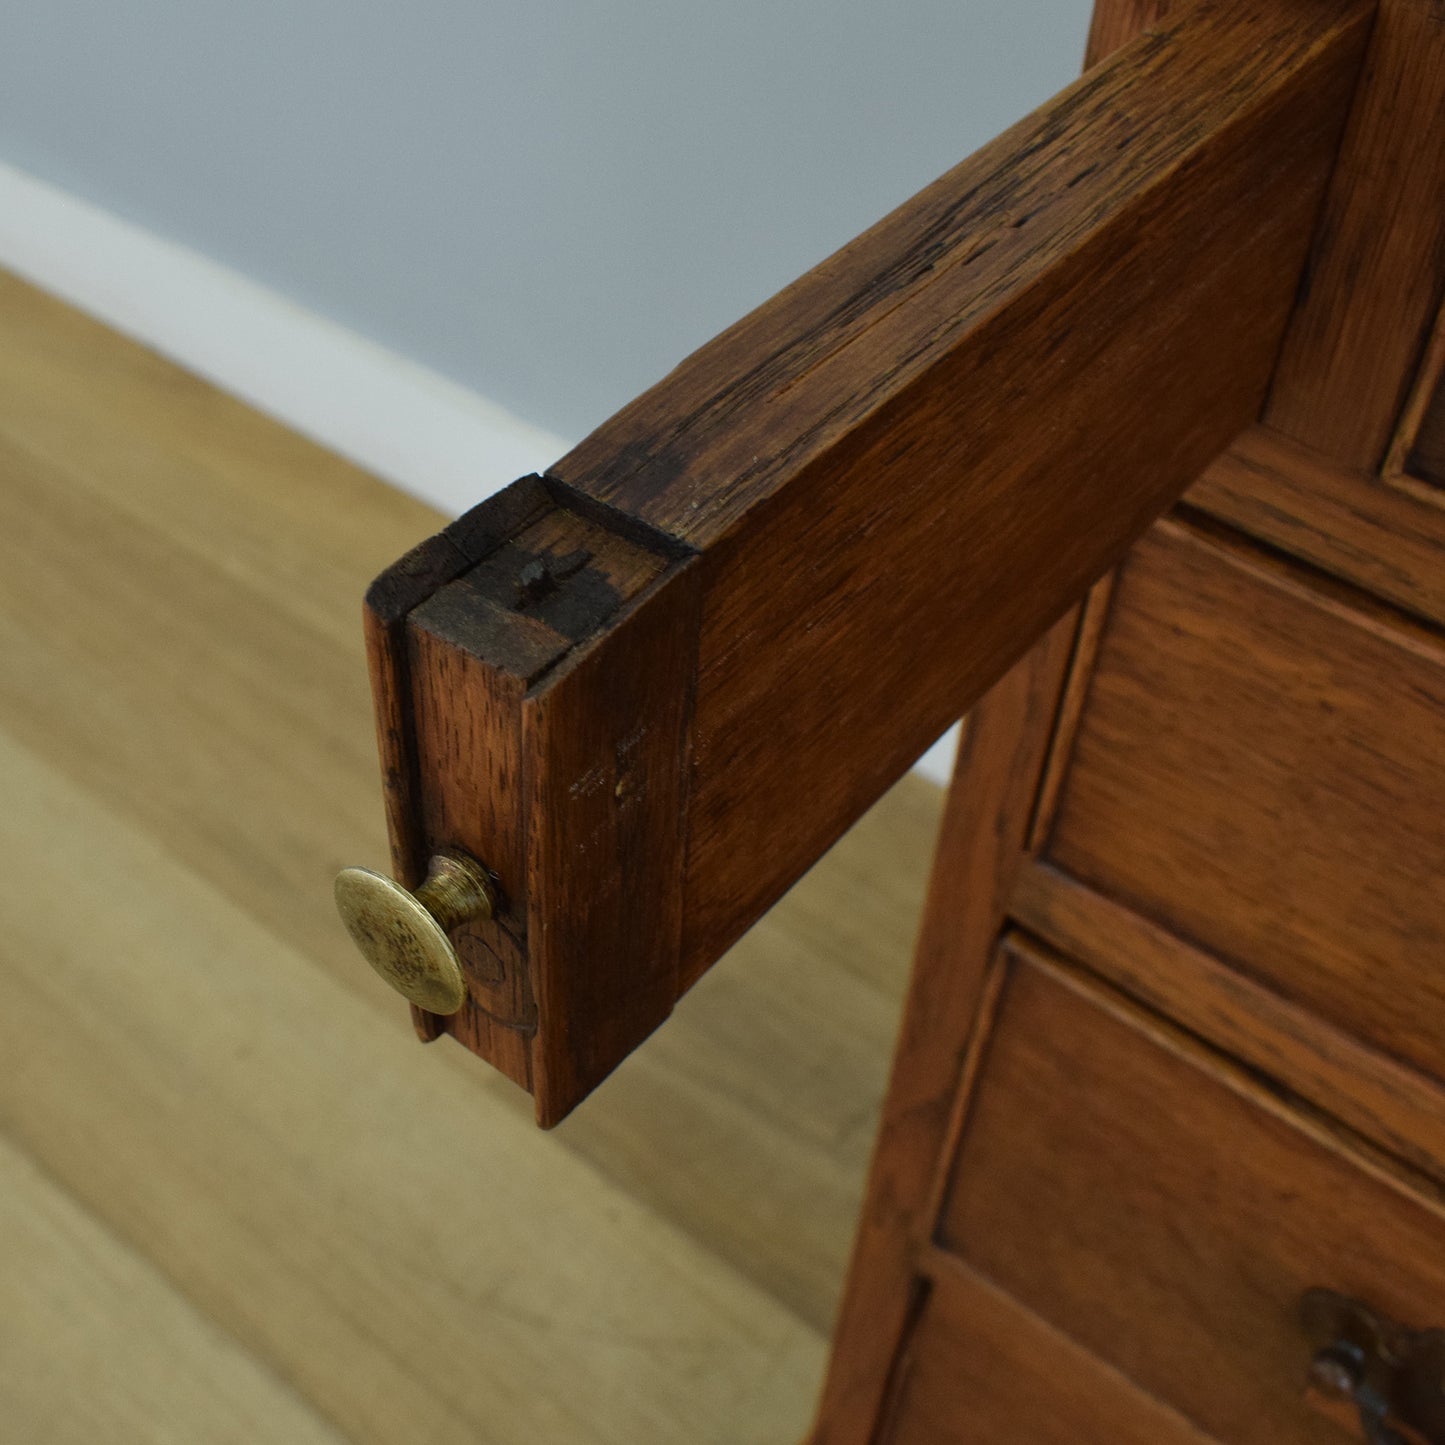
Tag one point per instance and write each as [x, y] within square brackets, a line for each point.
[1394, 1376]
[1342, 1370]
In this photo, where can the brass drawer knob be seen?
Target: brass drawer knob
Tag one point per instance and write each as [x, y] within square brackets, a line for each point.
[403, 935]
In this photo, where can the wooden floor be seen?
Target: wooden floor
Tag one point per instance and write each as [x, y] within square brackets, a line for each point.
[238, 1201]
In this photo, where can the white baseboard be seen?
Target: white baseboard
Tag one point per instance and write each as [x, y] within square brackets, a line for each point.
[418, 430]
[937, 763]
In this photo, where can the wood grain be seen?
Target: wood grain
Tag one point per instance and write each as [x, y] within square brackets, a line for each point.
[430, 566]
[1115, 23]
[979, 853]
[464, 722]
[1395, 1107]
[1377, 538]
[1166, 1214]
[981, 1367]
[606, 749]
[1377, 268]
[907, 466]
[1267, 784]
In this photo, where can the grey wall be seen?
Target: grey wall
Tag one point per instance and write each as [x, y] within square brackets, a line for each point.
[551, 202]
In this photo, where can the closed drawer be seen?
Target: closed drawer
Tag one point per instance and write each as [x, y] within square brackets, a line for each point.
[1166, 1215]
[977, 1366]
[1260, 767]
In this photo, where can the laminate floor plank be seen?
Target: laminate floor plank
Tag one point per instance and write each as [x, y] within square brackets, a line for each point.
[96, 1345]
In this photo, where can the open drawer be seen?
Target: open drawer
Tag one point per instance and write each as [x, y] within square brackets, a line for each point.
[648, 690]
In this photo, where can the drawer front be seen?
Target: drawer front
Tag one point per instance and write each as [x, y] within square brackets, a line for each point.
[1260, 767]
[980, 1367]
[1168, 1216]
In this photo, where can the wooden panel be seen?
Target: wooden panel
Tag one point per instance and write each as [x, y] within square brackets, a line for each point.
[1168, 1215]
[1378, 538]
[980, 850]
[1396, 1107]
[1376, 271]
[980, 1367]
[906, 467]
[1258, 769]
[467, 755]
[606, 759]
